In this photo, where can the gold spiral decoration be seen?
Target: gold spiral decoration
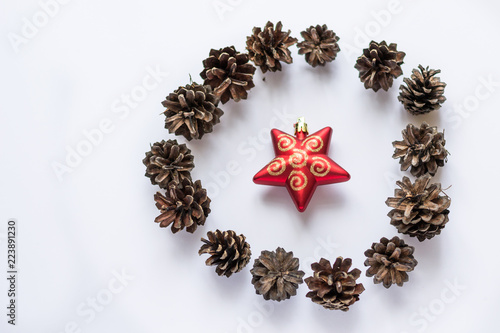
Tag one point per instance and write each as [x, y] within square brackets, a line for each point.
[297, 180]
[286, 142]
[320, 167]
[277, 166]
[313, 143]
[298, 159]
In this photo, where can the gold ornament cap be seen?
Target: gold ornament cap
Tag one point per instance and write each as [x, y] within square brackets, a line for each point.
[301, 126]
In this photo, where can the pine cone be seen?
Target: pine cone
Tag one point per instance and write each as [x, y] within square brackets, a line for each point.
[422, 149]
[418, 209]
[334, 287]
[229, 252]
[228, 73]
[270, 46]
[320, 45]
[276, 275]
[379, 65]
[184, 204]
[168, 161]
[389, 261]
[192, 111]
[423, 92]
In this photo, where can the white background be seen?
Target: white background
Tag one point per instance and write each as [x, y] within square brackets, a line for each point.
[78, 230]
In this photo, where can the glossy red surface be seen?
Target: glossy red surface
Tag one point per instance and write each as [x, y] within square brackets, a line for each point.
[301, 164]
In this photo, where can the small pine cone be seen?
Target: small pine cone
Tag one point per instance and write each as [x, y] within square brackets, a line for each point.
[379, 65]
[268, 46]
[229, 74]
[423, 92]
[319, 45]
[276, 275]
[168, 161]
[422, 149]
[389, 261]
[184, 204]
[228, 251]
[334, 287]
[192, 111]
[418, 209]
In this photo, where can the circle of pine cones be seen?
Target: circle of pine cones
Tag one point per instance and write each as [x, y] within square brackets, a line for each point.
[389, 261]
[276, 275]
[418, 209]
[334, 286]
[228, 251]
[422, 149]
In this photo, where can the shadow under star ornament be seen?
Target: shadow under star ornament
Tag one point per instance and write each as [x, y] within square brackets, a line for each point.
[301, 163]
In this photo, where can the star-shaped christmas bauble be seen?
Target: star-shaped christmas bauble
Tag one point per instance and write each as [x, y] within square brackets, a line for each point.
[301, 163]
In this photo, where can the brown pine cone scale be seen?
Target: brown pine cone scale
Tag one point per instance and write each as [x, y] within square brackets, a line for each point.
[229, 74]
[184, 205]
[192, 111]
[267, 47]
[276, 275]
[419, 209]
[422, 149]
[334, 286]
[390, 261]
[379, 65]
[423, 92]
[168, 161]
[228, 251]
[319, 45]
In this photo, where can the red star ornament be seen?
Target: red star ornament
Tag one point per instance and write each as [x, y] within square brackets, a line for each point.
[301, 163]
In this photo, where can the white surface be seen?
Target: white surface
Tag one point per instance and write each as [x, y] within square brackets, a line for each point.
[74, 233]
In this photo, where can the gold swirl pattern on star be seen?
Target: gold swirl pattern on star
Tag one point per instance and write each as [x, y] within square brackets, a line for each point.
[277, 166]
[320, 167]
[286, 142]
[297, 180]
[313, 143]
[298, 159]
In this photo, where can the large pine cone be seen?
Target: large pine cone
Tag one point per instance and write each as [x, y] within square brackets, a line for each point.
[379, 65]
[192, 111]
[418, 209]
[389, 261]
[334, 287]
[228, 251]
[228, 73]
[168, 161]
[268, 46]
[184, 205]
[423, 92]
[276, 275]
[319, 45]
[422, 149]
